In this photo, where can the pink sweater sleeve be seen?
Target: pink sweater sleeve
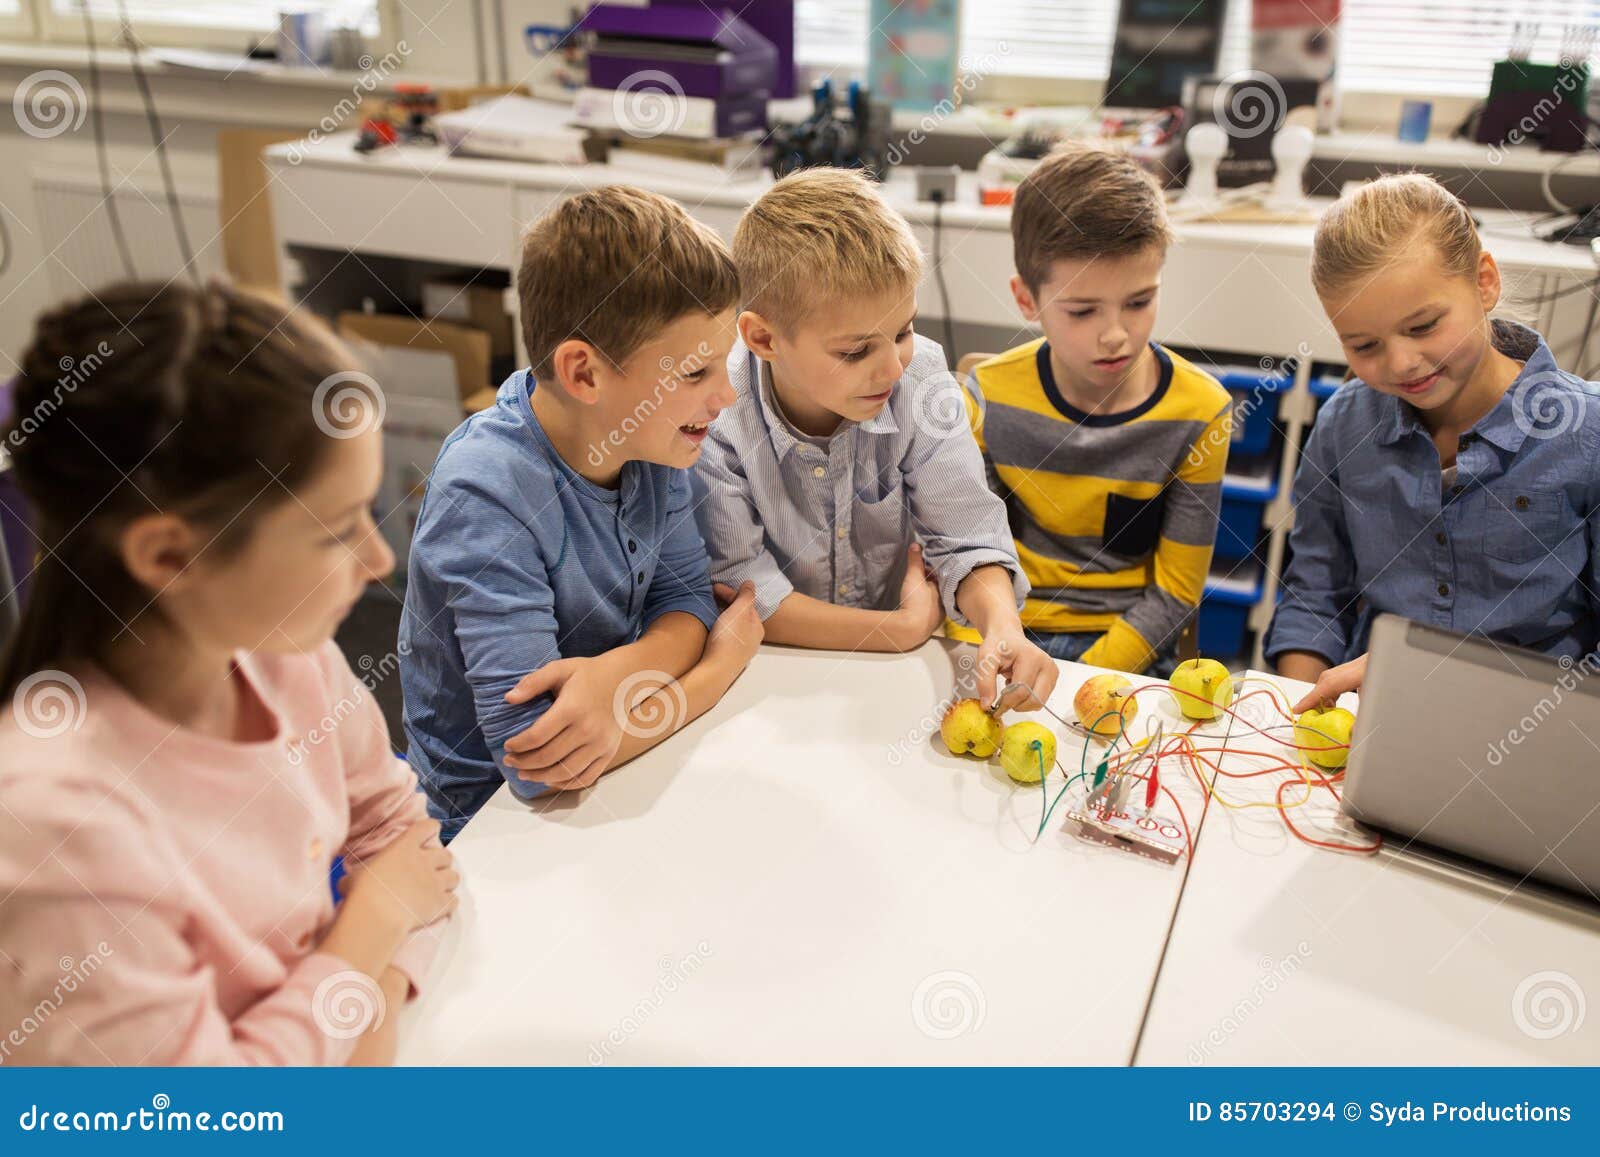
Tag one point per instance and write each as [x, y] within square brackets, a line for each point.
[97, 969]
[385, 798]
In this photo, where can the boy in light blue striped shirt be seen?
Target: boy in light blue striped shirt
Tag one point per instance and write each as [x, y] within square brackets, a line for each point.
[844, 481]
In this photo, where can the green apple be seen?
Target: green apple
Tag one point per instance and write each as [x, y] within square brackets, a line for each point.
[1105, 705]
[1021, 750]
[968, 729]
[1327, 728]
[1201, 688]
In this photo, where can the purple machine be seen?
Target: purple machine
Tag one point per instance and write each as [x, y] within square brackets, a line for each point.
[709, 54]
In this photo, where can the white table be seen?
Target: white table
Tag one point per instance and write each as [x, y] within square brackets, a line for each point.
[1286, 954]
[802, 876]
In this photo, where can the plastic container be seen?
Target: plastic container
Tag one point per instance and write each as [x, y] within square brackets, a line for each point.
[1224, 620]
[1244, 505]
[1254, 405]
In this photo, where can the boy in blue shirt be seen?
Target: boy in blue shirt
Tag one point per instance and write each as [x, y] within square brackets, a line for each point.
[559, 617]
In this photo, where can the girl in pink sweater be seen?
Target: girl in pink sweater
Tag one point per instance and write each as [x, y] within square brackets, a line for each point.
[186, 752]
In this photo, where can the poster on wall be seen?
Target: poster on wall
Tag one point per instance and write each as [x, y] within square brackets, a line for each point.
[1297, 42]
[912, 51]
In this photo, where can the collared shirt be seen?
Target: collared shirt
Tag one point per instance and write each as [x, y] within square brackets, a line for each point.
[518, 560]
[833, 519]
[1509, 549]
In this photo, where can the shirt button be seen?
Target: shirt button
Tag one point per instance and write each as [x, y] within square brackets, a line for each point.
[632, 546]
[840, 533]
[640, 576]
[1522, 502]
[818, 471]
[1444, 588]
[845, 589]
[1441, 538]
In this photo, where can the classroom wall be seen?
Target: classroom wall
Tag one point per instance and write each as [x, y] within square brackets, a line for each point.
[59, 237]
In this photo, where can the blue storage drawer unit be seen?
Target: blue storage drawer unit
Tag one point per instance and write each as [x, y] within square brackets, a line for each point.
[1324, 386]
[1244, 505]
[1224, 626]
[1255, 404]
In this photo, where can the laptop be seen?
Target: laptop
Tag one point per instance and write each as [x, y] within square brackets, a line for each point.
[1482, 749]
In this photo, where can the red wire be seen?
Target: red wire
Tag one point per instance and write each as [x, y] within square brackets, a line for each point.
[1192, 755]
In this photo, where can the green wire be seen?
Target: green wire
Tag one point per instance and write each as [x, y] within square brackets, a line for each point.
[1047, 805]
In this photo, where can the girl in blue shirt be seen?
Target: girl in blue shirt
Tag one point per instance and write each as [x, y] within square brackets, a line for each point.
[1455, 480]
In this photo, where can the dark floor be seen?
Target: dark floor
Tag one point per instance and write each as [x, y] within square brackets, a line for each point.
[371, 632]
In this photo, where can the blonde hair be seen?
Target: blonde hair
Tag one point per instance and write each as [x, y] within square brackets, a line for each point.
[1366, 230]
[613, 267]
[819, 234]
[1084, 200]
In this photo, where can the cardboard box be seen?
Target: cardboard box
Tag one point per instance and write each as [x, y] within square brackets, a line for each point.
[479, 306]
[426, 371]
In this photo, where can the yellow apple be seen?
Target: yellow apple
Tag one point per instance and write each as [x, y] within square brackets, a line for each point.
[968, 729]
[1021, 750]
[1327, 728]
[1201, 688]
[1104, 704]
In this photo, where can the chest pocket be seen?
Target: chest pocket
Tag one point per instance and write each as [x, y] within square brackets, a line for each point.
[1133, 525]
[1523, 527]
[881, 520]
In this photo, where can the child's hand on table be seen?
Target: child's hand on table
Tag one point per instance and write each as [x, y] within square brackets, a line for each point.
[1332, 683]
[574, 741]
[738, 630]
[408, 884]
[921, 610]
[1030, 673]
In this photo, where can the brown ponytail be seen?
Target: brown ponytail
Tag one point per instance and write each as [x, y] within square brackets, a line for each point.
[149, 398]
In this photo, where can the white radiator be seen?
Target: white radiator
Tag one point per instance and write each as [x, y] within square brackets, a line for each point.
[75, 229]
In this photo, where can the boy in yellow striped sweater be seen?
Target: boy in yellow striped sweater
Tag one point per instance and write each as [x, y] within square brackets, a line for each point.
[1108, 449]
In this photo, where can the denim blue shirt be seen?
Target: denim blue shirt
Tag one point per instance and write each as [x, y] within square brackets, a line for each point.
[1511, 550]
[517, 560]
